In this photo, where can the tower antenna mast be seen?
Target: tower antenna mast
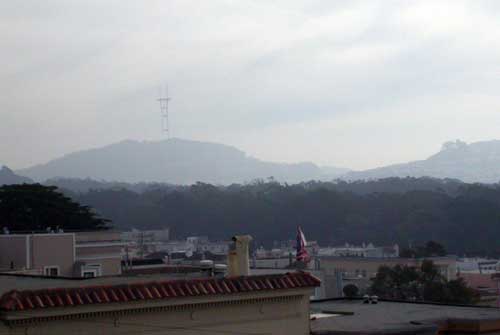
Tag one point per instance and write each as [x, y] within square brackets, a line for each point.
[163, 100]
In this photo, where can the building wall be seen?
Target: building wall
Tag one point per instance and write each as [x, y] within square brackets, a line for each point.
[13, 249]
[331, 282]
[108, 266]
[53, 249]
[36, 251]
[101, 248]
[32, 253]
[272, 263]
[270, 315]
[97, 236]
[88, 251]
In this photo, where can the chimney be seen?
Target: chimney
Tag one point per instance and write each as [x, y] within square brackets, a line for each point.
[238, 259]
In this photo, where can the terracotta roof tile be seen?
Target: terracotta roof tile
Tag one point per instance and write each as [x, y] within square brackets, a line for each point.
[154, 291]
[30, 303]
[181, 289]
[48, 300]
[38, 301]
[122, 296]
[69, 297]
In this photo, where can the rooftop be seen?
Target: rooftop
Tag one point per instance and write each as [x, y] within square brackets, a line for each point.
[20, 300]
[355, 317]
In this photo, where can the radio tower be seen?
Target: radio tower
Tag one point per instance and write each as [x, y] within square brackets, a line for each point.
[163, 100]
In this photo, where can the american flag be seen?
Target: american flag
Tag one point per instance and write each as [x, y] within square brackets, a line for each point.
[302, 254]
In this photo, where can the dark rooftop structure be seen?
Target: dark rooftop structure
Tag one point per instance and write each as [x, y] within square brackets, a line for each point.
[343, 316]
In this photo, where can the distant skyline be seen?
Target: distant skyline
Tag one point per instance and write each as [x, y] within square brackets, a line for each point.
[356, 84]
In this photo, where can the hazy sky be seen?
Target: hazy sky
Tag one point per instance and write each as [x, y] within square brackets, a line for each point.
[357, 84]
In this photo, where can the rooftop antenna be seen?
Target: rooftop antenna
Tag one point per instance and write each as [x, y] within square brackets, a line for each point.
[163, 100]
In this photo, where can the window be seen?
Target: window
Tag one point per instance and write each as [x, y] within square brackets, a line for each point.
[89, 274]
[91, 270]
[51, 271]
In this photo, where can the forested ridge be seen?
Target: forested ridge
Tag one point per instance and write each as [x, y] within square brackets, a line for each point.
[465, 218]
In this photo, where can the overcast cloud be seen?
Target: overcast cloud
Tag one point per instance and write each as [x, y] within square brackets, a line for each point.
[357, 84]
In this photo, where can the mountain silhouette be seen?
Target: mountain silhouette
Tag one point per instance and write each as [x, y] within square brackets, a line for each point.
[8, 177]
[175, 161]
[475, 162]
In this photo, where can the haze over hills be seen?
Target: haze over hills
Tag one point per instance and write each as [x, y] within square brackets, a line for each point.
[474, 162]
[175, 161]
[8, 177]
[178, 161]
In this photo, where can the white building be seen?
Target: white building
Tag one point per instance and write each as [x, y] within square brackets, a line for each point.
[478, 265]
[364, 250]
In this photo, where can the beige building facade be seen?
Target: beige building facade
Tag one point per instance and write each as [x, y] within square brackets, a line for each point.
[83, 254]
[268, 304]
[98, 254]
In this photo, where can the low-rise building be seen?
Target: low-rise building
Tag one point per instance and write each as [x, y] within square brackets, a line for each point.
[478, 265]
[269, 304]
[98, 254]
[484, 284]
[146, 236]
[363, 250]
[138, 247]
[80, 254]
[237, 304]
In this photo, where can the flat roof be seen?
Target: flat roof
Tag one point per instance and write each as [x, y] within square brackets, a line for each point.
[354, 316]
[388, 259]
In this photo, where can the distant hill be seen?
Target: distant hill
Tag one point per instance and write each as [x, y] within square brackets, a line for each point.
[173, 161]
[475, 162]
[8, 177]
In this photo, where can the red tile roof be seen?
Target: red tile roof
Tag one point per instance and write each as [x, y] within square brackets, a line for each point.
[66, 297]
[479, 280]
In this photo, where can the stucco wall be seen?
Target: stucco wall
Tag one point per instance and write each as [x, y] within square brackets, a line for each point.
[97, 236]
[279, 316]
[98, 250]
[53, 249]
[12, 249]
[109, 266]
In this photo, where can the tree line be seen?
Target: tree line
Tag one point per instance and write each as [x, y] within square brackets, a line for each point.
[35, 208]
[465, 218]
[420, 284]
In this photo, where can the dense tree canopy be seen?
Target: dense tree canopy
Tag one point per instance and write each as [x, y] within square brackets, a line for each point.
[33, 207]
[464, 218]
[350, 291]
[425, 284]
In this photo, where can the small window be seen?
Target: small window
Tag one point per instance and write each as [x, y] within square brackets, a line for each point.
[89, 274]
[51, 271]
[91, 270]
